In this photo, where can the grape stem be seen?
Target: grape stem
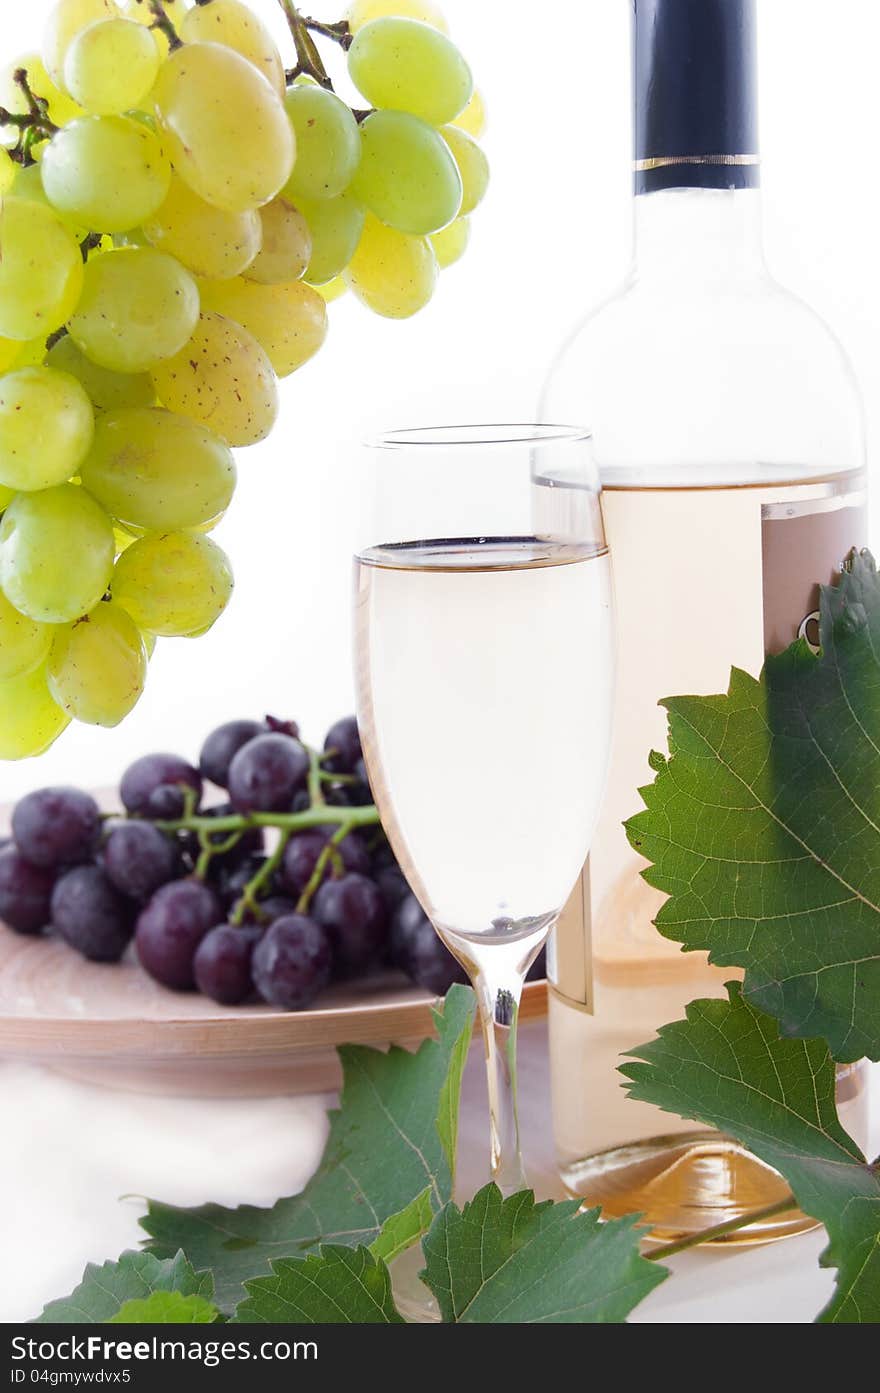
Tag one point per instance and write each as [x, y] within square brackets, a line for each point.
[163, 23]
[329, 854]
[33, 125]
[308, 59]
[316, 792]
[340, 32]
[210, 849]
[250, 896]
[367, 816]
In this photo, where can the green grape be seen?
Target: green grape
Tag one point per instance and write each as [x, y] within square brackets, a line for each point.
[332, 290]
[407, 175]
[234, 25]
[24, 644]
[227, 131]
[56, 553]
[472, 166]
[111, 66]
[336, 225]
[15, 354]
[7, 171]
[328, 147]
[41, 270]
[46, 428]
[138, 306]
[392, 273]
[29, 185]
[107, 390]
[473, 118]
[207, 240]
[154, 470]
[361, 12]
[98, 666]
[30, 721]
[223, 379]
[6, 497]
[451, 244]
[173, 583]
[123, 539]
[62, 108]
[110, 171]
[404, 65]
[64, 23]
[289, 321]
[287, 245]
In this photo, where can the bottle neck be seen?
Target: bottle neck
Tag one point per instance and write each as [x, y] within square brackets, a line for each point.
[699, 234]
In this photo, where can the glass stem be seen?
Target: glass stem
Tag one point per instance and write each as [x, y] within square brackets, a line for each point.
[499, 1000]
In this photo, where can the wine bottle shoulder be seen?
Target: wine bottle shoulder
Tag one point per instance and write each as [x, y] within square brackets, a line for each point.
[736, 373]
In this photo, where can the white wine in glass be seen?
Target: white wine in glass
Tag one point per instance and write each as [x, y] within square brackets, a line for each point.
[483, 624]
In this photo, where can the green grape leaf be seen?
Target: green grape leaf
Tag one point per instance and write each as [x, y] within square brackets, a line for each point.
[402, 1230]
[514, 1261]
[166, 1308]
[392, 1140]
[763, 826]
[727, 1066]
[336, 1286]
[105, 1291]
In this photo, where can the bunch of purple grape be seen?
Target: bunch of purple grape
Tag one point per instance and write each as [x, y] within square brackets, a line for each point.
[217, 910]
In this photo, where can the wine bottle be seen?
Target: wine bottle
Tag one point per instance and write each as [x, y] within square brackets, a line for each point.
[729, 433]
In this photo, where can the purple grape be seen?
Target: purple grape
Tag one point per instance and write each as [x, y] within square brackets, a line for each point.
[266, 773]
[274, 907]
[56, 826]
[418, 951]
[353, 913]
[303, 850]
[393, 885]
[171, 928]
[230, 883]
[292, 962]
[154, 786]
[25, 892]
[222, 963]
[221, 747]
[344, 740]
[91, 915]
[138, 858]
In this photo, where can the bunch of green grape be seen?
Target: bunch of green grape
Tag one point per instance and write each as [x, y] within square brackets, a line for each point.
[177, 209]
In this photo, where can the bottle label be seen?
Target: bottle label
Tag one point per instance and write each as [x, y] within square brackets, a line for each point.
[803, 540]
[802, 534]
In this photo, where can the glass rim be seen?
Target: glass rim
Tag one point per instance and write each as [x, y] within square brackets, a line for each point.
[479, 436]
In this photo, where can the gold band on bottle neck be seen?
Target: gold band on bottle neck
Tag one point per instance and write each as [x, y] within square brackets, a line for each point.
[667, 161]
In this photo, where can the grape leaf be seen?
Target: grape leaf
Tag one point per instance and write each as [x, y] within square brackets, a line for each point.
[105, 1290]
[392, 1139]
[515, 1261]
[336, 1286]
[166, 1308]
[763, 826]
[726, 1065]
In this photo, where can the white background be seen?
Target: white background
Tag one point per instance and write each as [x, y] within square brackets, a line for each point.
[553, 235]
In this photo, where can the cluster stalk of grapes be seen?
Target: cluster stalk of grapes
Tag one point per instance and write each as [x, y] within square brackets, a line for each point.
[193, 884]
[178, 209]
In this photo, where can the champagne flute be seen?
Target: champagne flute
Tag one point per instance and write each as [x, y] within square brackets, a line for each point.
[484, 654]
